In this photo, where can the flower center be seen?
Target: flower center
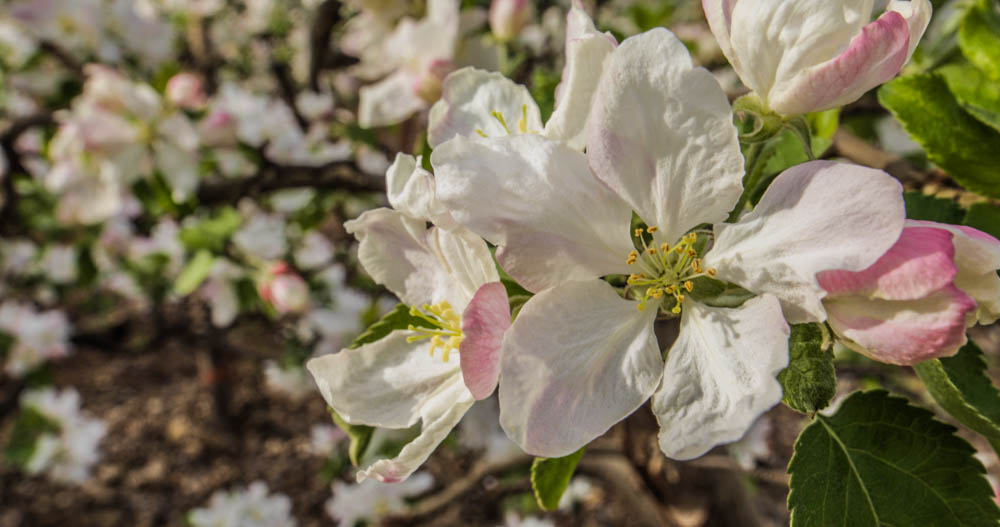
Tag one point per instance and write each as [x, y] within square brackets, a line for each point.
[665, 270]
[522, 122]
[445, 331]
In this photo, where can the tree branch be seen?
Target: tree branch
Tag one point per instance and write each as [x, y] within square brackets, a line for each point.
[856, 149]
[327, 16]
[337, 175]
[8, 139]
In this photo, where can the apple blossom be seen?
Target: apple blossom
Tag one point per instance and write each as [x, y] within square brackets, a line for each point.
[186, 90]
[67, 454]
[508, 17]
[253, 506]
[370, 500]
[284, 289]
[488, 104]
[434, 371]
[802, 56]
[914, 303]
[37, 336]
[579, 357]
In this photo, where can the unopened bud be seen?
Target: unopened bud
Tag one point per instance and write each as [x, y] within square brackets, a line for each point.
[508, 18]
[186, 90]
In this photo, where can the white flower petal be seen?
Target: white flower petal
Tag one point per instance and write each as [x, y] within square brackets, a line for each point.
[536, 199]
[815, 216]
[721, 374]
[411, 191]
[662, 135]
[917, 14]
[438, 417]
[385, 383]
[586, 51]
[577, 360]
[389, 101]
[468, 101]
[421, 265]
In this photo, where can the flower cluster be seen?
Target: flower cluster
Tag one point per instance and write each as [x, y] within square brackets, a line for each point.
[253, 506]
[67, 446]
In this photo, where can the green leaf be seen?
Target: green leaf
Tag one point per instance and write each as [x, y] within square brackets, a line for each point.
[975, 92]
[360, 436]
[985, 217]
[717, 293]
[213, 232]
[398, 318]
[953, 139]
[930, 208]
[194, 273]
[960, 385]
[550, 477]
[29, 425]
[979, 36]
[881, 462]
[809, 382]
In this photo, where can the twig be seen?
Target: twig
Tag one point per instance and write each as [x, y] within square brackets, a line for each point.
[8, 139]
[289, 92]
[619, 476]
[854, 148]
[327, 16]
[63, 57]
[337, 175]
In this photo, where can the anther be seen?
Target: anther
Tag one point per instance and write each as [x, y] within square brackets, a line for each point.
[638, 233]
[689, 286]
[652, 229]
[711, 271]
[651, 250]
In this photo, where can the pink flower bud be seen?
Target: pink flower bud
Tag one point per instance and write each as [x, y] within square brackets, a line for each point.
[508, 17]
[285, 290]
[428, 86]
[186, 90]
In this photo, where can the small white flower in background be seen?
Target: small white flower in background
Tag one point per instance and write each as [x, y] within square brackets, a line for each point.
[288, 201]
[754, 446]
[16, 256]
[579, 490]
[68, 454]
[186, 90]
[324, 438]
[38, 336]
[163, 240]
[219, 290]
[315, 106]
[293, 381]
[254, 506]
[262, 236]
[513, 519]
[480, 430]
[59, 264]
[314, 252]
[371, 500]
[508, 17]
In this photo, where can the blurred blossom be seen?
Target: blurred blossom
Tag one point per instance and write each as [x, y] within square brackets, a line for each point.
[253, 506]
[284, 289]
[199, 8]
[314, 252]
[186, 90]
[59, 264]
[163, 240]
[580, 489]
[37, 336]
[371, 500]
[17, 46]
[513, 519]
[754, 446]
[16, 256]
[219, 290]
[291, 200]
[67, 454]
[262, 236]
[324, 438]
[315, 106]
[480, 430]
[508, 17]
[292, 381]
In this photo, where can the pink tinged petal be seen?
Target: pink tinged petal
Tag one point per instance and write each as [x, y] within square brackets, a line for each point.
[719, 14]
[469, 98]
[421, 265]
[385, 383]
[538, 201]
[720, 375]
[977, 256]
[484, 323]
[577, 360]
[411, 191]
[662, 135]
[586, 52]
[917, 14]
[814, 217]
[920, 263]
[903, 332]
[873, 57]
[388, 101]
[438, 418]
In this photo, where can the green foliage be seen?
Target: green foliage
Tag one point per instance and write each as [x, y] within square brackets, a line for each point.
[881, 462]
[550, 477]
[543, 89]
[930, 208]
[960, 385]
[985, 217]
[194, 273]
[360, 437]
[953, 139]
[211, 234]
[398, 318]
[717, 293]
[28, 427]
[979, 37]
[809, 382]
[975, 92]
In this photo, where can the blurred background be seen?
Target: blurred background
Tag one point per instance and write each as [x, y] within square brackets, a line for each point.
[175, 178]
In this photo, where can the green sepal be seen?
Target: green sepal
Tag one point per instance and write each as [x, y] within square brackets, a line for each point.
[551, 476]
[960, 386]
[810, 381]
[360, 436]
[881, 462]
